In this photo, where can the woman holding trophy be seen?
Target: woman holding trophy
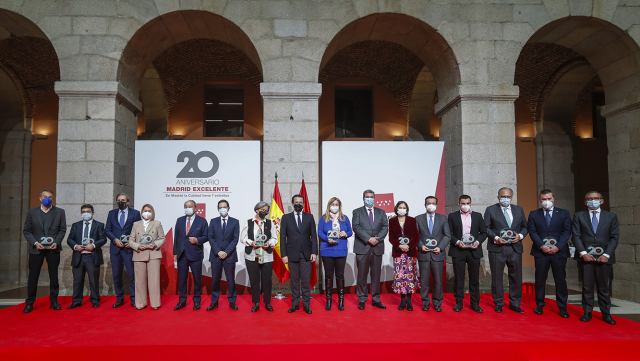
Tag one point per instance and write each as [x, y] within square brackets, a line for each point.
[404, 236]
[147, 236]
[333, 229]
[259, 237]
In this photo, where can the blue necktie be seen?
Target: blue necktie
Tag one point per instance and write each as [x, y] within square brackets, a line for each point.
[224, 225]
[594, 222]
[506, 215]
[548, 217]
[121, 219]
[299, 223]
[86, 229]
[431, 223]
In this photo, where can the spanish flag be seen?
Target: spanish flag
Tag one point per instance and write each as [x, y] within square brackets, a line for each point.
[275, 215]
[307, 209]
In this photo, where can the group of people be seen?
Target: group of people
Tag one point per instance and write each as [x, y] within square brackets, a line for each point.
[419, 249]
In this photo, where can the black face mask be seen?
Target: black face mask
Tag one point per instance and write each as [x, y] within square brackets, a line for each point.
[298, 207]
[122, 205]
[262, 214]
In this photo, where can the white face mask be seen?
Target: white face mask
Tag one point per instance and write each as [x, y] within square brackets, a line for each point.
[465, 208]
[334, 209]
[146, 215]
[431, 208]
[223, 211]
[402, 212]
[547, 204]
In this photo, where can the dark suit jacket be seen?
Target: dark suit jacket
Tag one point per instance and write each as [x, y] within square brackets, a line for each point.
[606, 236]
[96, 233]
[560, 229]
[410, 231]
[114, 231]
[226, 241]
[199, 229]
[363, 231]
[293, 240]
[495, 221]
[35, 228]
[478, 230]
[441, 233]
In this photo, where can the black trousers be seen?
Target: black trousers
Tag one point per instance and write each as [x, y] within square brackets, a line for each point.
[300, 281]
[427, 269]
[35, 265]
[596, 273]
[260, 279]
[513, 261]
[87, 267]
[183, 277]
[334, 266]
[459, 266]
[559, 268]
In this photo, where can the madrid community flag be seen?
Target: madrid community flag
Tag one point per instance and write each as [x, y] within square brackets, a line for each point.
[275, 215]
[307, 209]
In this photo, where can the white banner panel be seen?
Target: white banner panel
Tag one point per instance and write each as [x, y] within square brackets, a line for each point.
[169, 172]
[395, 171]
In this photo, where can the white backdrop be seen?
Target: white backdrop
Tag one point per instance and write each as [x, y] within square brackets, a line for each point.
[396, 171]
[168, 173]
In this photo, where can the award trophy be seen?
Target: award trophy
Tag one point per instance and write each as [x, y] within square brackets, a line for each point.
[468, 240]
[595, 251]
[508, 235]
[431, 243]
[403, 240]
[46, 242]
[125, 238]
[550, 241]
[87, 241]
[261, 239]
[146, 240]
[333, 235]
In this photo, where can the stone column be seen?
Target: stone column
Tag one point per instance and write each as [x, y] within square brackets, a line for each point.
[97, 129]
[290, 143]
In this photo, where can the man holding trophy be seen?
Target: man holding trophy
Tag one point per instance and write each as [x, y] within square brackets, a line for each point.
[86, 239]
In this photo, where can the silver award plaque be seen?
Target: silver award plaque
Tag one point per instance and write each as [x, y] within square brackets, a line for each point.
[431, 243]
[508, 235]
[333, 234]
[550, 241]
[261, 240]
[403, 240]
[146, 240]
[87, 241]
[595, 251]
[468, 240]
[46, 242]
[125, 238]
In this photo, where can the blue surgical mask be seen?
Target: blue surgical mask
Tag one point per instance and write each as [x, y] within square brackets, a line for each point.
[368, 202]
[594, 204]
[223, 211]
[505, 202]
[87, 216]
[46, 202]
[188, 211]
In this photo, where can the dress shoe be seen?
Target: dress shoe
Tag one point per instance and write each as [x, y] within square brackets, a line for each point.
[608, 319]
[180, 306]
[379, 305]
[476, 309]
[27, 309]
[361, 305]
[538, 310]
[457, 307]
[564, 313]
[154, 308]
[74, 305]
[516, 309]
[133, 303]
[437, 308]
[212, 306]
[293, 309]
[268, 307]
[498, 309]
[586, 317]
[96, 305]
[141, 308]
[255, 308]
[307, 309]
[118, 304]
[403, 304]
[196, 306]
[425, 307]
[233, 306]
[55, 306]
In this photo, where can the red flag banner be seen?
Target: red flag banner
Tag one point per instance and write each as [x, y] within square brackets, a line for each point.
[385, 201]
[307, 209]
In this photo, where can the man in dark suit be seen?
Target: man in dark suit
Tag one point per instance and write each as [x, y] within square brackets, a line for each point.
[223, 234]
[42, 223]
[462, 223]
[370, 227]
[87, 258]
[119, 222]
[299, 248]
[432, 225]
[550, 221]
[190, 234]
[596, 228]
[504, 215]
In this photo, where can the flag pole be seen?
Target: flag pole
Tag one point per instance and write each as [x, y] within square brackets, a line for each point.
[279, 295]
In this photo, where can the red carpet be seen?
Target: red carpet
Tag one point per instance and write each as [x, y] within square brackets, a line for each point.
[125, 333]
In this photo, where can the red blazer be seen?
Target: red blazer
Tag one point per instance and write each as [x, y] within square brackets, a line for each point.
[410, 231]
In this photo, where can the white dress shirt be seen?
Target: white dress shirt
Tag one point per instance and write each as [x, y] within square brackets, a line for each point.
[145, 223]
[222, 219]
[126, 214]
[373, 212]
[84, 225]
[189, 222]
[258, 226]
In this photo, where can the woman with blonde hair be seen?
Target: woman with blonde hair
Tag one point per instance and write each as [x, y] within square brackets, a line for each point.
[147, 236]
[333, 229]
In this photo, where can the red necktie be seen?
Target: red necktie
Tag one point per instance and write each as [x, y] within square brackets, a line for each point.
[188, 224]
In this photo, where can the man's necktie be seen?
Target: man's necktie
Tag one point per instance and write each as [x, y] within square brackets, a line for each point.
[594, 222]
[371, 217]
[86, 229]
[506, 215]
[121, 219]
[224, 225]
[299, 223]
[548, 217]
[188, 224]
[431, 223]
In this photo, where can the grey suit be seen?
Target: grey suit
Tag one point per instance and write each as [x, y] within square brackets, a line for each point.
[507, 254]
[368, 257]
[429, 262]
